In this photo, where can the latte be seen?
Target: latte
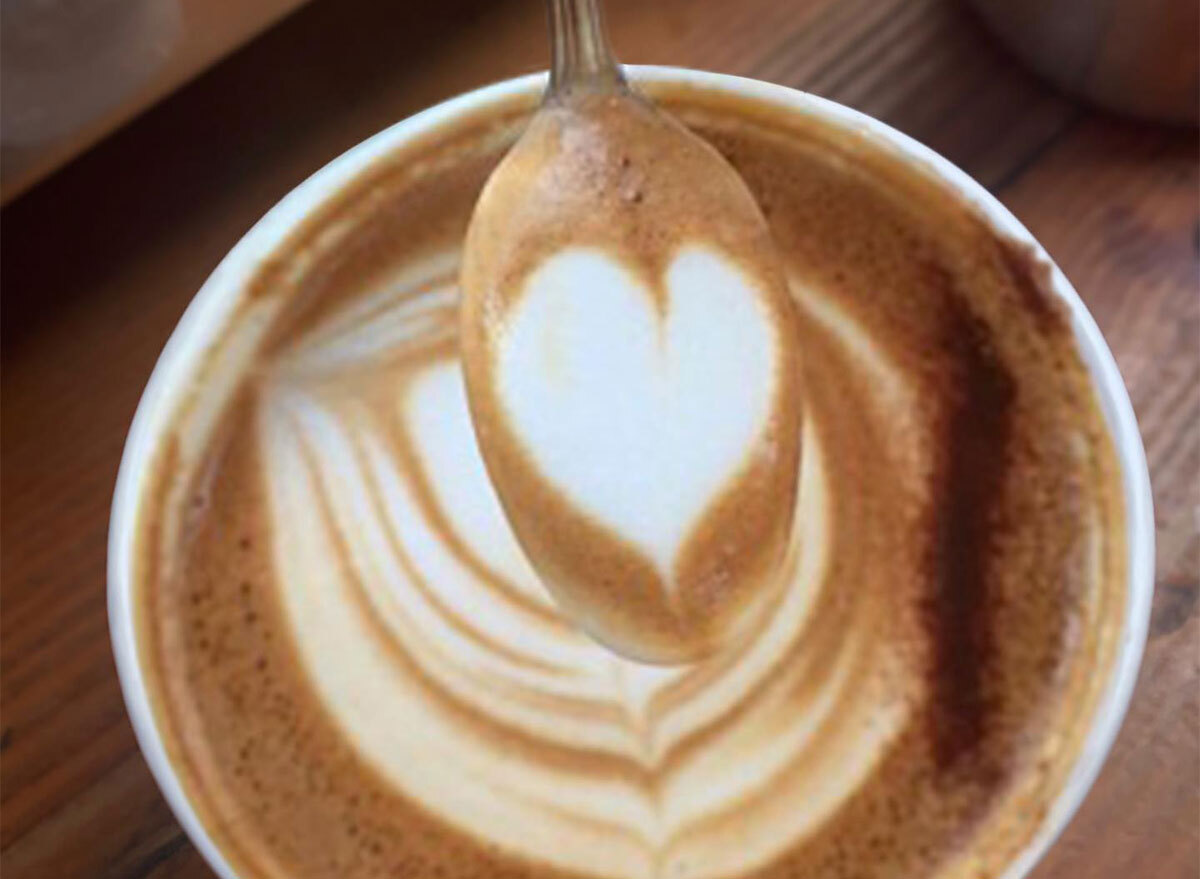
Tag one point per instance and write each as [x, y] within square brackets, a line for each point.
[357, 673]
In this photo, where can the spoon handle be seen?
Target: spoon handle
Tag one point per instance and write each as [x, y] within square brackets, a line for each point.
[581, 57]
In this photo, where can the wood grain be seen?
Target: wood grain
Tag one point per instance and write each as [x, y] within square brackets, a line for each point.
[99, 261]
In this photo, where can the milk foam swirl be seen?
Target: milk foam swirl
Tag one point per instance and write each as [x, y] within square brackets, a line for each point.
[425, 632]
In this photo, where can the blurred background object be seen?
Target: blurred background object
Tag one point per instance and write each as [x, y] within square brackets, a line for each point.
[73, 70]
[1140, 57]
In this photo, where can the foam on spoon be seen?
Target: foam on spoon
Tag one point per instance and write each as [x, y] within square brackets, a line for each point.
[633, 376]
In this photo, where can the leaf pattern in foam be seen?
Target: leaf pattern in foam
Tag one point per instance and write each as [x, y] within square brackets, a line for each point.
[426, 634]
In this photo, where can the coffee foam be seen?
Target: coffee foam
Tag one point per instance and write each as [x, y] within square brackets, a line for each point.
[641, 419]
[631, 369]
[358, 671]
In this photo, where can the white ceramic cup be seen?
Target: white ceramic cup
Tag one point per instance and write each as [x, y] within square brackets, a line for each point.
[205, 318]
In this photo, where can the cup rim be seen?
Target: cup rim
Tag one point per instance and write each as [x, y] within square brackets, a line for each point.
[196, 329]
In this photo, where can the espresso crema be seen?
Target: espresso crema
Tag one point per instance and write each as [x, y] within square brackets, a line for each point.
[357, 673]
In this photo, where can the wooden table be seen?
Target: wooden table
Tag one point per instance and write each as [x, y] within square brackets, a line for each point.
[99, 262]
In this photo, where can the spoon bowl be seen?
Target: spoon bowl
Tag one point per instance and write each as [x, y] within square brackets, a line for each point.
[630, 365]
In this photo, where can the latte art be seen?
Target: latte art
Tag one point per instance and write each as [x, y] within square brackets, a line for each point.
[383, 551]
[640, 426]
[632, 371]
[641, 420]
[360, 673]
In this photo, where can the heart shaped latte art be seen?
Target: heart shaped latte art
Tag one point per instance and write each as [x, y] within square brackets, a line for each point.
[638, 417]
[638, 435]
